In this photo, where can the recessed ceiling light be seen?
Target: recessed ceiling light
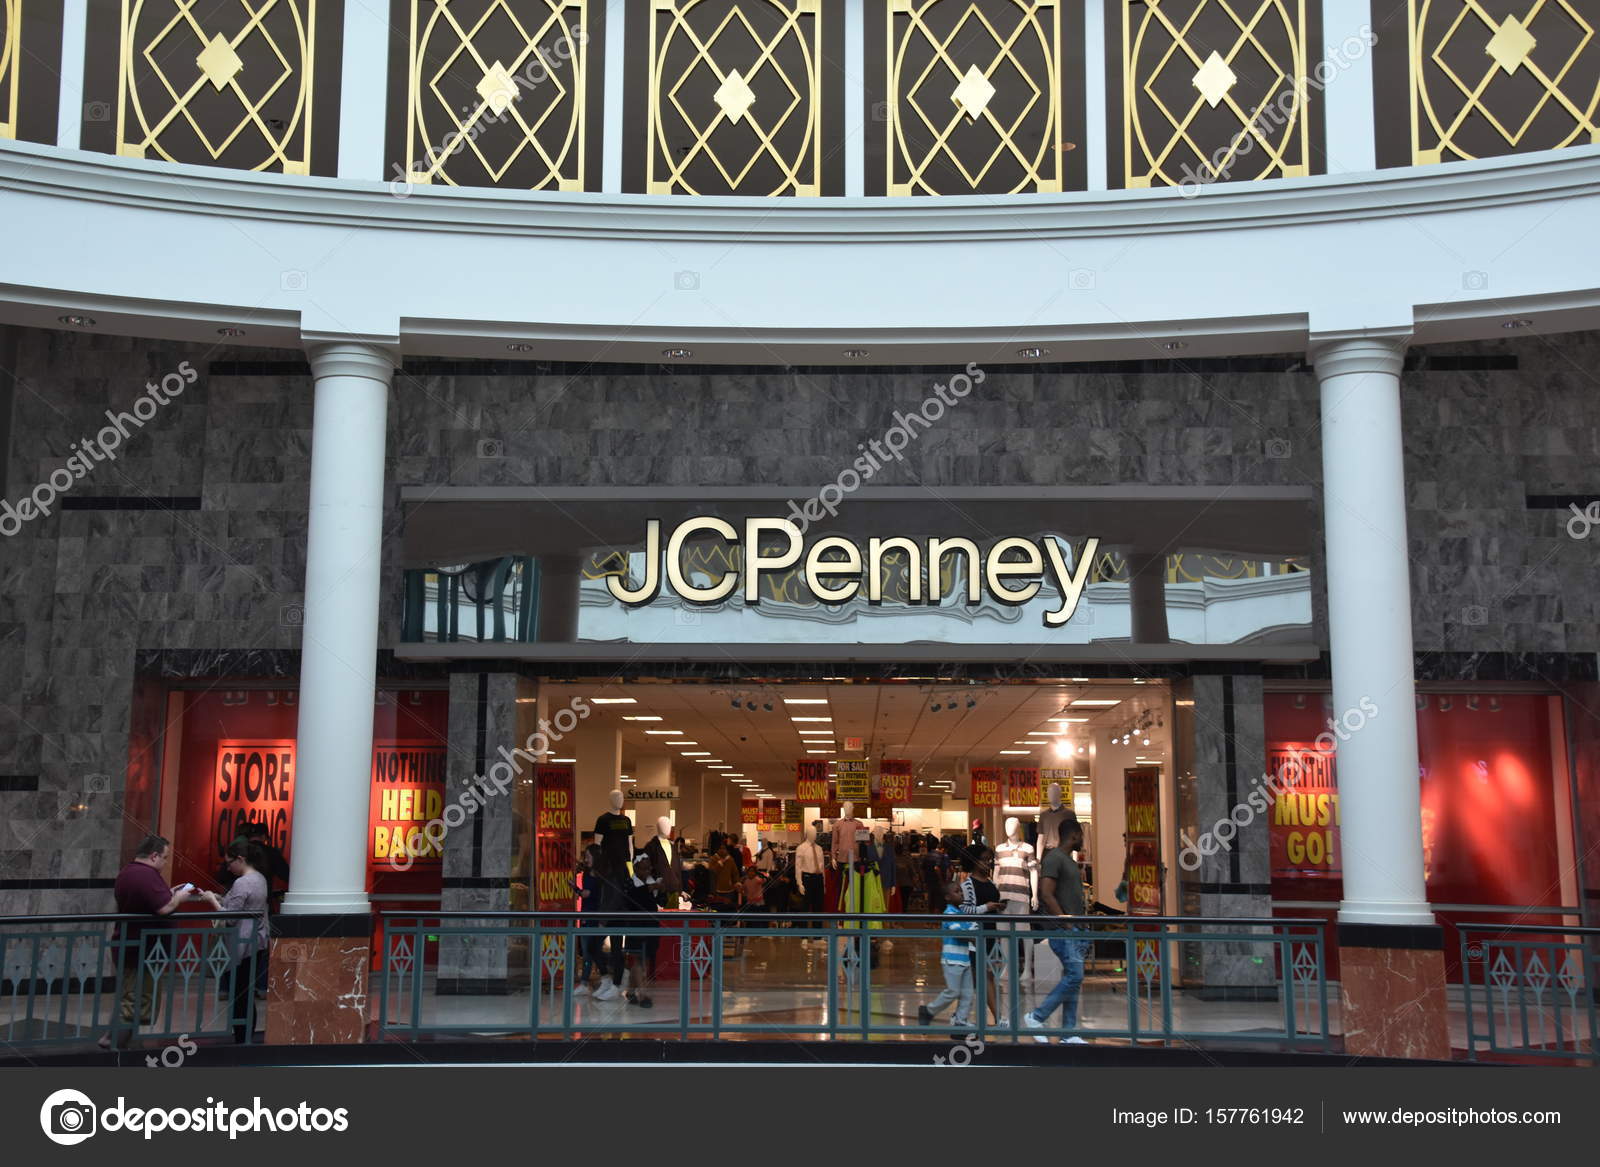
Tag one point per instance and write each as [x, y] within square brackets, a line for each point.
[563, 759]
[810, 719]
[230, 332]
[1016, 751]
[805, 700]
[1519, 323]
[639, 717]
[612, 701]
[819, 751]
[719, 766]
[1175, 345]
[1033, 351]
[735, 774]
[708, 761]
[696, 753]
[856, 352]
[683, 743]
[677, 354]
[1069, 720]
[77, 321]
[1097, 703]
[625, 779]
[664, 732]
[520, 347]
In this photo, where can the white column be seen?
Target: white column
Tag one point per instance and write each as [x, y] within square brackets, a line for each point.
[855, 98]
[364, 89]
[74, 37]
[1094, 91]
[611, 107]
[339, 634]
[1369, 629]
[1347, 106]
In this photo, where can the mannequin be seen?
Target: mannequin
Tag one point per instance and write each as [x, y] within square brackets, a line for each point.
[808, 866]
[1016, 872]
[844, 836]
[1054, 819]
[666, 862]
[613, 832]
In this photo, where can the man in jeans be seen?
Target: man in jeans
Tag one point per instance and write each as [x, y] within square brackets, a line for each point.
[1061, 894]
[141, 890]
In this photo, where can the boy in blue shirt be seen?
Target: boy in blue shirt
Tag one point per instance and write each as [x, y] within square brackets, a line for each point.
[955, 959]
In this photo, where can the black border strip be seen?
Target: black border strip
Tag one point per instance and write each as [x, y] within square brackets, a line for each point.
[132, 502]
[56, 883]
[1419, 937]
[19, 782]
[312, 927]
[1230, 763]
[481, 756]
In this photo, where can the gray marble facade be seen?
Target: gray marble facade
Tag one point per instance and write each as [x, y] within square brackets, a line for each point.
[86, 591]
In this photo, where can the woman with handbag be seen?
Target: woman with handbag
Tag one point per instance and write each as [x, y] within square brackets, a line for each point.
[248, 894]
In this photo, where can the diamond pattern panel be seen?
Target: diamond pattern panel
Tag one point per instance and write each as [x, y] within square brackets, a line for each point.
[1494, 77]
[496, 93]
[974, 97]
[735, 97]
[1214, 91]
[224, 82]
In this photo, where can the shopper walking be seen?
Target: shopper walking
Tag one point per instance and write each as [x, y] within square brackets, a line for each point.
[1061, 894]
[141, 890]
[955, 961]
[248, 893]
[591, 945]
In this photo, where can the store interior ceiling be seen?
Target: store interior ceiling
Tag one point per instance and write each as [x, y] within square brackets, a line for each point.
[755, 733]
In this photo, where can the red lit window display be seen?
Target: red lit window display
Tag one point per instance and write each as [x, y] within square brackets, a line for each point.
[1494, 821]
[238, 765]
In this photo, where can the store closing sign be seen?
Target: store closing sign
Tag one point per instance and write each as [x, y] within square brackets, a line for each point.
[811, 780]
[1012, 571]
[254, 783]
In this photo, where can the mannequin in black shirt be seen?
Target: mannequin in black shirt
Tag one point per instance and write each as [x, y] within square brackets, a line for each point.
[614, 836]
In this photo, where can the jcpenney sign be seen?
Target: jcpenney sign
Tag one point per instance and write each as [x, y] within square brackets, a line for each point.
[837, 569]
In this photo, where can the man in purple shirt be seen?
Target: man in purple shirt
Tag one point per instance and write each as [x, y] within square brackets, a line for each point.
[141, 890]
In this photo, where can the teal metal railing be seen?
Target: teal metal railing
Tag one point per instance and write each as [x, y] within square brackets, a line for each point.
[825, 977]
[1530, 991]
[495, 601]
[63, 980]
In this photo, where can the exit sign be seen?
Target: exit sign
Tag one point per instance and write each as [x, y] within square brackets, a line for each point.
[852, 743]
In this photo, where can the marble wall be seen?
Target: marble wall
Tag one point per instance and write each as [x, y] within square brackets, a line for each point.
[86, 592]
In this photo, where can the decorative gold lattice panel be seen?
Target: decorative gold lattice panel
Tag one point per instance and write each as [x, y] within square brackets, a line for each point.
[496, 93]
[1213, 91]
[735, 97]
[220, 82]
[974, 96]
[1491, 77]
[10, 64]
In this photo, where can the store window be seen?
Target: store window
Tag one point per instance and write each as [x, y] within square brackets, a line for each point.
[1496, 815]
[237, 764]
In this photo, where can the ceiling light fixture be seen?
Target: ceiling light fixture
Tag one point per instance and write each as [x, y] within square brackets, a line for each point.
[1033, 351]
[1097, 702]
[856, 352]
[639, 717]
[665, 733]
[77, 321]
[677, 354]
[1016, 751]
[612, 701]
[230, 332]
[520, 347]
[1522, 322]
[805, 700]
[696, 753]
[1173, 346]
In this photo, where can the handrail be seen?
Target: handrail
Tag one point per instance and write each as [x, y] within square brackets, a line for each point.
[1543, 929]
[137, 917]
[802, 917]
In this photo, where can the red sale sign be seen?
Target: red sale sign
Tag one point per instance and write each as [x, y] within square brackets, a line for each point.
[894, 780]
[985, 786]
[811, 780]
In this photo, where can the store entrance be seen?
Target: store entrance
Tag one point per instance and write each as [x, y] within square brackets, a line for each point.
[764, 761]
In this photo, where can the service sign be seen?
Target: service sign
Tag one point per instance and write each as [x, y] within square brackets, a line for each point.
[985, 786]
[555, 837]
[851, 780]
[408, 784]
[1022, 786]
[655, 794]
[811, 780]
[253, 783]
[894, 781]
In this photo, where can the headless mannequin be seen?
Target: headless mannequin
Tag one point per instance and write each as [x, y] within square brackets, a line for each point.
[1053, 820]
[844, 836]
[614, 834]
[809, 864]
[1016, 871]
[666, 863]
